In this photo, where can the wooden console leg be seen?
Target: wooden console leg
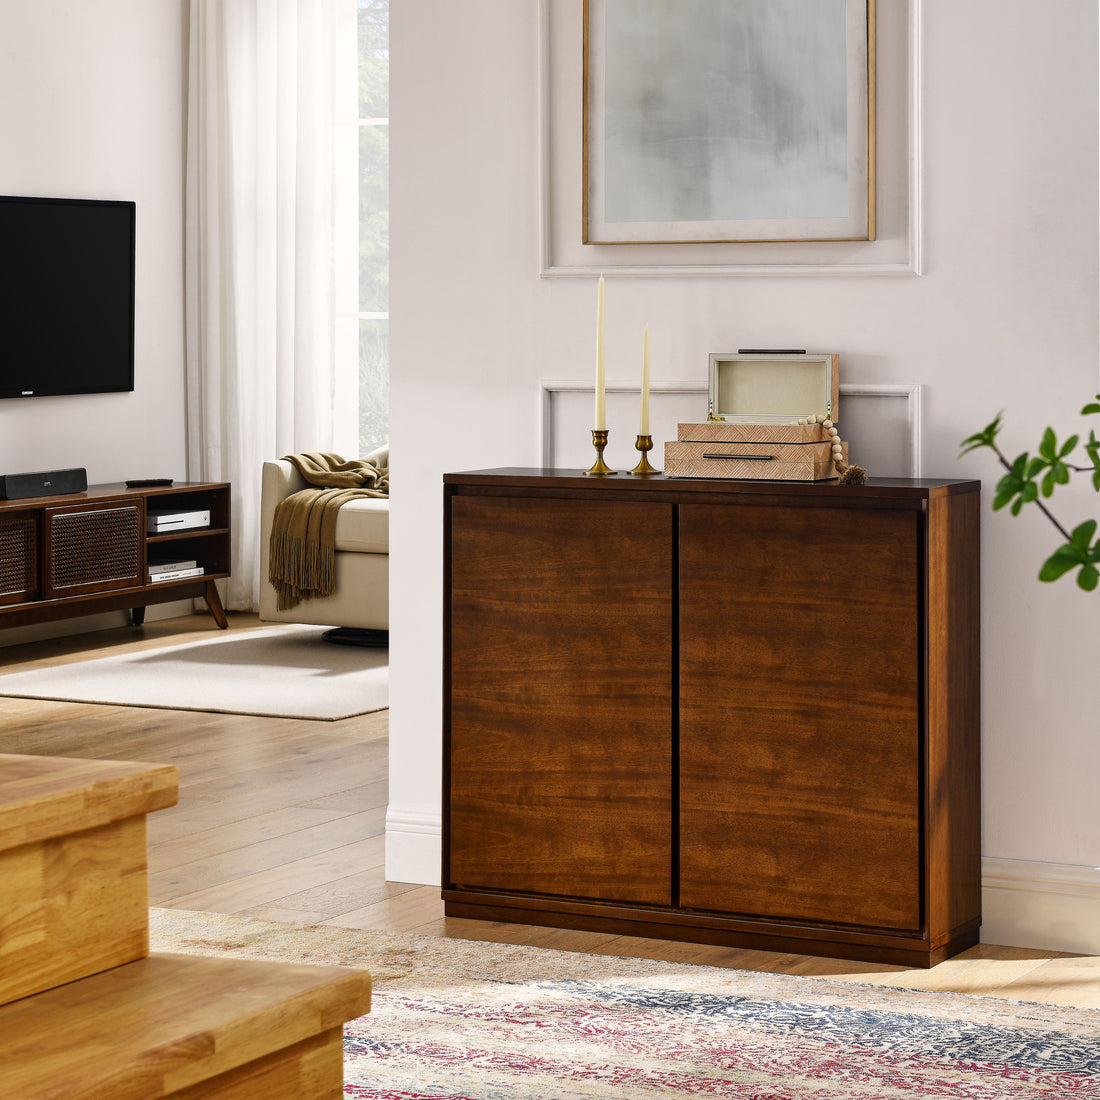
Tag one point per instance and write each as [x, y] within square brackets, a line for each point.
[137, 615]
[214, 602]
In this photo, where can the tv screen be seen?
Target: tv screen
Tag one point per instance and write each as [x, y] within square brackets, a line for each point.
[66, 296]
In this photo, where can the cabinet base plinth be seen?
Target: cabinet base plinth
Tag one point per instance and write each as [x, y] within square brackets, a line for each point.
[872, 947]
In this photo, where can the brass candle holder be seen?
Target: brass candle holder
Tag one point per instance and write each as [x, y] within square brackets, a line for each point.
[644, 469]
[599, 468]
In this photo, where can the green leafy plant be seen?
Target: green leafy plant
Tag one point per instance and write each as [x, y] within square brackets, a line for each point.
[1031, 477]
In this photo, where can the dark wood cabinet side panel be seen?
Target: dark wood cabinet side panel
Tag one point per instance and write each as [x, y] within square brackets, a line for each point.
[560, 702]
[800, 722]
[954, 713]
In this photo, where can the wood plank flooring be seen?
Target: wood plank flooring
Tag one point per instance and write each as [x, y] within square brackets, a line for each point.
[284, 819]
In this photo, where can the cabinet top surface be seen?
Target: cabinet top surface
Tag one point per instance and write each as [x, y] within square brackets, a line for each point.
[876, 487]
[104, 492]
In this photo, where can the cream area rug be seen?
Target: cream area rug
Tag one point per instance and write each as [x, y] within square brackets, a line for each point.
[459, 1020]
[282, 671]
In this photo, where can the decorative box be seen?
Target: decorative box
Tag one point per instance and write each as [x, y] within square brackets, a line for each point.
[752, 430]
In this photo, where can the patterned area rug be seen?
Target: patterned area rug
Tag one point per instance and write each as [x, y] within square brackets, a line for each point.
[459, 1020]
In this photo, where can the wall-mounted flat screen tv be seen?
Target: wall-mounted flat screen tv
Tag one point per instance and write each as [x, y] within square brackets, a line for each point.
[66, 296]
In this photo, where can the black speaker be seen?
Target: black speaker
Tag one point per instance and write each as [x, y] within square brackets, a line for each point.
[48, 483]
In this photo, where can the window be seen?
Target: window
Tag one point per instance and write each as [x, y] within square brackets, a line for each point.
[374, 224]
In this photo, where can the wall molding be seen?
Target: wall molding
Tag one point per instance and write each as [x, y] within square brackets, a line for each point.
[1048, 906]
[912, 395]
[910, 392]
[414, 846]
[549, 387]
[912, 264]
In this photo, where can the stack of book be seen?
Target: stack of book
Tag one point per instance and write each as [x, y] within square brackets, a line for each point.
[173, 570]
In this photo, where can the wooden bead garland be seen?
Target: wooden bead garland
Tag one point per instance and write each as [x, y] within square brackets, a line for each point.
[849, 473]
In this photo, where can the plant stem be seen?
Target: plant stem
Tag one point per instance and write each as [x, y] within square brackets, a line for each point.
[1042, 507]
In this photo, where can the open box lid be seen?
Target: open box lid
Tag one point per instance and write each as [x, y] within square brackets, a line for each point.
[773, 387]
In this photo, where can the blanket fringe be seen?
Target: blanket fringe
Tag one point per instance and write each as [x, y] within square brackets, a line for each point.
[300, 570]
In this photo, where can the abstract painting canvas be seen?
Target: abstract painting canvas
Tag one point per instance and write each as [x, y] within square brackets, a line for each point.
[728, 120]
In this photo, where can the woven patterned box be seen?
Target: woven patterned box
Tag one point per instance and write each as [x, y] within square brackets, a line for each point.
[755, 400]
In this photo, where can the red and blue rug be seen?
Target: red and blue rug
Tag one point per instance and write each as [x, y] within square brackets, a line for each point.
[459, 1020]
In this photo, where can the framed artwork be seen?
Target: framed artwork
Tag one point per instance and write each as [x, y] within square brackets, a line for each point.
[728, 120]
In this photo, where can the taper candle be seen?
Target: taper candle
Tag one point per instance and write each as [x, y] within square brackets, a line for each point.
[601, 411]
[644, 428]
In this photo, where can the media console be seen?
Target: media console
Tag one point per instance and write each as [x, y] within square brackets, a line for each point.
[85, 553]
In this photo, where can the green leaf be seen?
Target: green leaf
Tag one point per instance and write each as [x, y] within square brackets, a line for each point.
[1007, 488]
[1049, 444]
[1096, 480]
[1058, 474]
[1088, 577]
[984, 438]
[1068, 446]
[1018, 483]
[1081, 535]
[1065, 558]
[1092, 407]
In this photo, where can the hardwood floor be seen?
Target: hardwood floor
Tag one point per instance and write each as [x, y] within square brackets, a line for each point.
[284, 819]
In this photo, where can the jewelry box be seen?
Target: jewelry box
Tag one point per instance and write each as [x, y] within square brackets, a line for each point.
[756, 400]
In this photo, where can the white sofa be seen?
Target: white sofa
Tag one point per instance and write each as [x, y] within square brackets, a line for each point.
[361, 598]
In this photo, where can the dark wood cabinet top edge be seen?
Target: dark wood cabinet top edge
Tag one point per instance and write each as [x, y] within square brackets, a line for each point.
[876, 487]
[119, 491]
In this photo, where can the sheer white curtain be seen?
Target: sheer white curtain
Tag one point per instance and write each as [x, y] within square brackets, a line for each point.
[270, 246]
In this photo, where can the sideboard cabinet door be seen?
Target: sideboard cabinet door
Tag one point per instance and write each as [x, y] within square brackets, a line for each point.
[559, 756]
[800, 742]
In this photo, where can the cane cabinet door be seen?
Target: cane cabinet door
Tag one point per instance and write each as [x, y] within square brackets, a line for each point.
[559, 744]
[800, 751]
[90, 548]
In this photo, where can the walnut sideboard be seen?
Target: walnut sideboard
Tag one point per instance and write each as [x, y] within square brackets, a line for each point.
[729, 712]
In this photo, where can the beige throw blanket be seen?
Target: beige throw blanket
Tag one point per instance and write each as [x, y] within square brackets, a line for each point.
[303, 531]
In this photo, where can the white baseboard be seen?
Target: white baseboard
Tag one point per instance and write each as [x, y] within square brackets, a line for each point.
[1048, 906]
[414, 847]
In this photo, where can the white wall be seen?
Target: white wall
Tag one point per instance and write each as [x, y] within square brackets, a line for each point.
[1005, 316]
[94, 107]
